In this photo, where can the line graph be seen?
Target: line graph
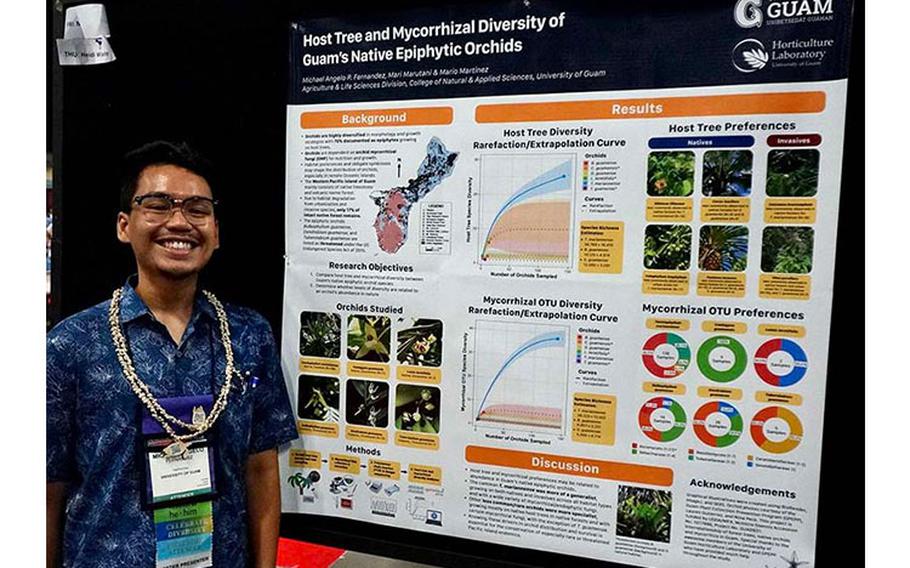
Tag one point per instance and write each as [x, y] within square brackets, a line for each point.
[520, 373]
[526, 209]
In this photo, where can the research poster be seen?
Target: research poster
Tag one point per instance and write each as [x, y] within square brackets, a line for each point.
[560, 277]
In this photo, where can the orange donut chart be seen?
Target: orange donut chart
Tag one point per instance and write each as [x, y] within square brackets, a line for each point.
[769, 435]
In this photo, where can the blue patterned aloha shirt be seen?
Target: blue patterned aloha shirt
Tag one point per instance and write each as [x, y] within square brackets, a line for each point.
[93, 423]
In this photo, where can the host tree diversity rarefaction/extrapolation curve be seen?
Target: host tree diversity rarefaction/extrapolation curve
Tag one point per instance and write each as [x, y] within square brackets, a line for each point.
[533, 223]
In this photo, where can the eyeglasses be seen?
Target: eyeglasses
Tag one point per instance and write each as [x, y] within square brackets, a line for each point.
[158, 207]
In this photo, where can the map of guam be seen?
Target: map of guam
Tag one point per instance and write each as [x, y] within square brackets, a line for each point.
[395, 204]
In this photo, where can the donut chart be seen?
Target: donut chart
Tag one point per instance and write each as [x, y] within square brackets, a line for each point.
[666, 355]
[776, 429]
[662, 419]
[718, 424]
[722, 359]
[781, 362]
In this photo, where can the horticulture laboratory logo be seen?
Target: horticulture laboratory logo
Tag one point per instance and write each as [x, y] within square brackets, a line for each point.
[750, 55]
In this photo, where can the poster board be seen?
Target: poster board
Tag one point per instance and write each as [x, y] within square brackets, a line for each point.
[553, 286]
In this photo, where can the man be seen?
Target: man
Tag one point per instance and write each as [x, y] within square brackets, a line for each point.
[125, 385]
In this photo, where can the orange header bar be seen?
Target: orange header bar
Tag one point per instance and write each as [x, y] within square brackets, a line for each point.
[616, 471]
[711, 105]
[422, 116]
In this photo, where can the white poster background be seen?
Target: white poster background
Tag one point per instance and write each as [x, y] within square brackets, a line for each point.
[753, 485]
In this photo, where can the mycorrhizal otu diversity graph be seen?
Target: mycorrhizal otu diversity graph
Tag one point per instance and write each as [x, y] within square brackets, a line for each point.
[526, 209]
[520, 374]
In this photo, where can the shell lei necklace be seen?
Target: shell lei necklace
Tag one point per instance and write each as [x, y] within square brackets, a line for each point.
[200, 422]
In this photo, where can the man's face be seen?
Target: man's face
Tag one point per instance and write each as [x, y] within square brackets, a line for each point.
[173, 247]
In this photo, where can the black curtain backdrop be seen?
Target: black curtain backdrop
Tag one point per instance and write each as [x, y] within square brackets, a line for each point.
[215, 74]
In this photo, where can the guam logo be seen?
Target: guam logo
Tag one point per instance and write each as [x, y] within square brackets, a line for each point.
[747, 13]
[750, 55]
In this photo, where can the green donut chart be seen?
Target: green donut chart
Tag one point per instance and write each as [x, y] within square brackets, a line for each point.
[722, 359]
[662, 419]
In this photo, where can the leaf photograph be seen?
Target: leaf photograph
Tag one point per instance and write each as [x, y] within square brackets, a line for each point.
[668, 247]
[421, 343]
[723, 248]
[320, 334]
[367, 403]
[787, 250]
[369, 338]
[671, 174]
[417, 408]
[727, 173]
[792, 173]
[643, 513]
[318, 398]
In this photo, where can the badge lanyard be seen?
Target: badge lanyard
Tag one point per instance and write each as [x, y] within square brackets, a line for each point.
[179, 472]
[177, 479]
[180, 488]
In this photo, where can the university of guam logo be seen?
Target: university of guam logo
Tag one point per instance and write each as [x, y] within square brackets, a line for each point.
[748, 14]
[751, 13]
[750, 55]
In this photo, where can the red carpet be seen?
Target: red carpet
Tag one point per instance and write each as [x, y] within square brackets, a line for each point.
[297, 554]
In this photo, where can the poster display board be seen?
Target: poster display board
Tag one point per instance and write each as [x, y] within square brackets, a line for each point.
[561, 277]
